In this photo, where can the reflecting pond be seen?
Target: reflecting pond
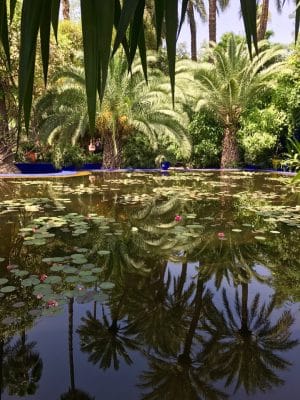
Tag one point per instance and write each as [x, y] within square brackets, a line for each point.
[150, 286]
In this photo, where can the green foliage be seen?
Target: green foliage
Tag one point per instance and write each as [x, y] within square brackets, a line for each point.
[138, 153]
[73, 155]
[259, 134]
[206, 135]
[292, 160]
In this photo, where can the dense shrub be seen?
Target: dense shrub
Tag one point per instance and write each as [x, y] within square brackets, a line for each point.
[206, 136]
[260, 135]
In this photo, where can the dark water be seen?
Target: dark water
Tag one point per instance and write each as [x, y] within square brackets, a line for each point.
[148, 286]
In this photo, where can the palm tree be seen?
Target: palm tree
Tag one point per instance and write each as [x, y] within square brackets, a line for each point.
[24, 368]
[66, 9]
[199, 7]
[73, 393]
[183, 375]
[106, 341]
[248, 343]
[212, 17]
[264, 17]
[129, 105]
[230, 82]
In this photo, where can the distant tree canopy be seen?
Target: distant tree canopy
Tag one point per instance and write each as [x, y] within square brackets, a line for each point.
[99, 18]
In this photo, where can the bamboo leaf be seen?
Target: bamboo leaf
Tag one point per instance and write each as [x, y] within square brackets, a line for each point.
[135, 27]
[4, 30]
[297, 19]
[127, 14]
[12, 8]
[248, 8]
[91, 56]
[30, 21]
[45, 23]
[143, 53]
[183, 11]
[116, 24]
[106, 13]
[55, 16]
[171, 36]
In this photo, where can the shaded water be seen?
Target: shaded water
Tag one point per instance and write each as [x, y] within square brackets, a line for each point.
[148, 286]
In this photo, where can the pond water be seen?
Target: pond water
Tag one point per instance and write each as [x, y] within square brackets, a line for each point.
[132, 286]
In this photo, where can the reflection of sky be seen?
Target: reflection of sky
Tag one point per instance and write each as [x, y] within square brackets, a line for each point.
[229, 21]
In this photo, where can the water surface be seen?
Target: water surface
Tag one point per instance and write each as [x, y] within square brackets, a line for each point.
[181, 286]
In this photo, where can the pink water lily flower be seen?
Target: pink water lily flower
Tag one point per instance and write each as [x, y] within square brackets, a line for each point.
[52, 303]
[178, 218]
[43, 277]
[221, 235]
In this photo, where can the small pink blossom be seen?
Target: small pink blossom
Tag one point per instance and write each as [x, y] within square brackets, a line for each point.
[221, 235]
[43, 277]
[52, 303]
[178, 218]
[39, 296]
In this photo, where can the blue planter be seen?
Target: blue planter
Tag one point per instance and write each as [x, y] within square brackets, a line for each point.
[71, 168]
[165, 165]
[36, 168]
[88, 166]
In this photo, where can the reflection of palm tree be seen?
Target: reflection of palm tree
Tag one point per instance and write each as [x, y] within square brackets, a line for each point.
[73, 393]
[106, 340]
[245, 347]
[184, 377]
[3, 355]
[24, 368]
[230, 259]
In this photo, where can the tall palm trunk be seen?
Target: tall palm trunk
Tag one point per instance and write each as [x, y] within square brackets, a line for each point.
[230, 151]
[185, 357]
[182, 280]
[3, 113]
[263, 20]
[193, 30]
[244, 322]
[1, 366]
[70, 340]
[66, 9]
[212, 20]
[112, 150]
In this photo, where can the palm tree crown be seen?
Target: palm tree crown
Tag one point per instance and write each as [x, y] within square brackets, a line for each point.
[230, 82]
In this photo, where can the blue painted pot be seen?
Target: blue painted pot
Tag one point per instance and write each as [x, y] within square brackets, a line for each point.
[165, 165]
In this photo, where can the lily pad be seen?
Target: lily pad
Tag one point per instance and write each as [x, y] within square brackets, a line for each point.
[30, 282]
[107, 285]
[103, 252]
[8, 289]
[71, 279]
[88, 279]
[54, 279]
[3, 281]
[261, 238]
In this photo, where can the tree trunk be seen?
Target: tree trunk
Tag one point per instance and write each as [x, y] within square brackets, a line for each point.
[182, 280]
[244, 322]
[112, 151]
[3, 114]
[1, 366]
[263, 20]
[212, 20]
[230, 151]
[193, 31]
[66, 9]
[6, 154]
[185, 357]
[70, 334]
